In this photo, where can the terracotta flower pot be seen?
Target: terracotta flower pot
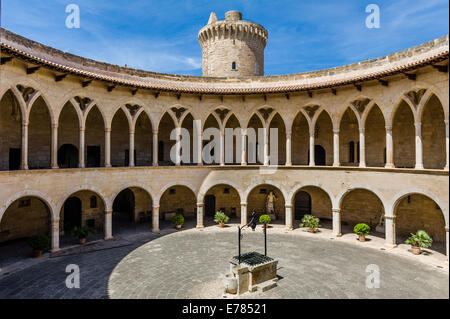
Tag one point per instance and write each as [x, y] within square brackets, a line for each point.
[82, 241]
[36, 253]
[311, 230]
[221, 225]
[415, 250]
[178, 226]
[362, 238]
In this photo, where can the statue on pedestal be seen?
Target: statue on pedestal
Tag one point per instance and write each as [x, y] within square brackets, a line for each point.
[270, 203]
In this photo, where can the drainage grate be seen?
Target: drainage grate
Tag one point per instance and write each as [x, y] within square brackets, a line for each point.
[251, 259]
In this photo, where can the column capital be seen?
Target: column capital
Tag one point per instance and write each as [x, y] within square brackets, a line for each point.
[155, 132]
[389, 217]
[107, 130]
[200, 204]
[388, 127]
[55, 125]
[82, 128]
[288, 132]
[132, 132]
[336, 131]
[287, 206]
[336, 210]
[362, 130]
[108, 212]
[55, 222]
[446, 229]
[417, 124]
[243, 204]
[446, 122]
[155, 206]
[25, 123]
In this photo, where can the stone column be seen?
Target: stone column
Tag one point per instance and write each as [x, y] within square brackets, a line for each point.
[155, 219]
[362, 148]
[266, 146]
[390, 231]
[24, 160]
[155, 148]
[55, 235]
[199, 146]
[311, 148]
[336, 160]
[419, 157]
[288, 148]
[447, 243]
[244, 147]
[244, 218]
[337, 222]
[108, 147]
[289, 217]
[131, 150]
[178, 146]
[446, 145]
[200, 215]
[389, 148]
[54, 145]
[81, 148]
[108, 225]
[222, 148]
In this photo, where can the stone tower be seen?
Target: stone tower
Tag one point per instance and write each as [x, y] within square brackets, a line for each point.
[233, 47]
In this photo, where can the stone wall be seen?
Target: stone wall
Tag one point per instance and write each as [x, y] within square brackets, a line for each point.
[361, 206]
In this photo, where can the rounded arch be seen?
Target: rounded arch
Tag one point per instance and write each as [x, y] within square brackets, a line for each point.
[401, 195]
[131, 185]
[299, 186]
[210, 184]
[343, 193]
[89, 188]
[172, 184]
[249, 189]
[46, 199]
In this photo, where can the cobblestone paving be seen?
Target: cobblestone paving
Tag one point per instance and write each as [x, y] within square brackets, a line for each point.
[182, 264]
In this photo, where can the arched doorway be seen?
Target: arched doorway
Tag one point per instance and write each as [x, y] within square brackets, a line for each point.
[25, 217]
[419, 212]
[403, 134]
[314, 201]
[72, 214]
[179, 199]
[320, 155]
[68, 156]
[222, 197]
[256, 202]
[10, 126]
[362, 206]
[349, 139]
[433, 134]
[302, 205]
[123, 206]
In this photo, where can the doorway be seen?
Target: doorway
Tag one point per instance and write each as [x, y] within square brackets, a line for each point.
[302, 205]
[93, 156]
[72, 214]
[210, 205]
[68, 156]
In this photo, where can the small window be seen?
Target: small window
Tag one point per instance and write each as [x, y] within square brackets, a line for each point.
[226, 190]
[233, 66]
[263, 191]
[25, 203]
[172, 191]
[93, 202]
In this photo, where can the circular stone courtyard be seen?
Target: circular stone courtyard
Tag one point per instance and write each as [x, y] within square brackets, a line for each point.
[189, 264]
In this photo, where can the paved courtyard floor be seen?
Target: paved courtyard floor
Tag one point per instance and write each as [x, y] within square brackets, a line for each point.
[189, 263]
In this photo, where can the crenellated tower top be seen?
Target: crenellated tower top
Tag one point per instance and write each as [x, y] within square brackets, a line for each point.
[232, 47]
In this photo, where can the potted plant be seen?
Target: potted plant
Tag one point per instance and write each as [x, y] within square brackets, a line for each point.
[221, 218]
[39, 244]
[265, 220]
[362, 230]
[311, 222]
[82, 233]
[178, 220]
[419, 240]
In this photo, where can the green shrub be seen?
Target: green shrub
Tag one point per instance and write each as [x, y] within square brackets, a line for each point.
[178, 219]
[264, 219]
[39, 242]
[220, 217]
[420, 239]
[361, 229]
[82, 232]
[310, 221]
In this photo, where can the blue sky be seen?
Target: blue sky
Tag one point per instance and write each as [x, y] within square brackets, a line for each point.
[161, 36]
